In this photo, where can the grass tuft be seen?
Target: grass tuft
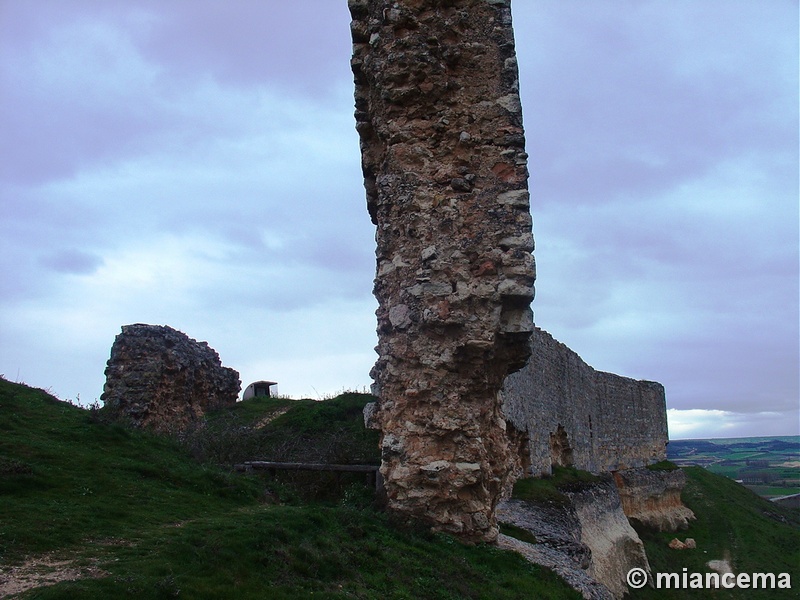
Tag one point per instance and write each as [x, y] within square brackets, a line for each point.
[550, 489]
[517, 532]
[663, 465]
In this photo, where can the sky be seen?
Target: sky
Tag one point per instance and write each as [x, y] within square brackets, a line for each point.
[194, 163]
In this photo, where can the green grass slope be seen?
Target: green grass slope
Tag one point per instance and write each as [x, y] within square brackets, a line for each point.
[154, 522]
[733, 523]
[278, 429]
[64, 478]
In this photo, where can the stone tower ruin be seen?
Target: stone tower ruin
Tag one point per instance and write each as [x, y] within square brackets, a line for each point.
[445, 171]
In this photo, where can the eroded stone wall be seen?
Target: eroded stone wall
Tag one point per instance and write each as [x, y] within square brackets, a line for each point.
[576, 416]
[159, 378]
[444, 163]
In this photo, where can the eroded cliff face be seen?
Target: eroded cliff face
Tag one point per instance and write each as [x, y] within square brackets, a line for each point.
[615, 545]
[587, 540]
[653, 498]
[576, 416]
[159, 378]
[444, 163]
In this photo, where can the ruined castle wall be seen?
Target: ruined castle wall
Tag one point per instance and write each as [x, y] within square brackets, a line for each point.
[160, 378]
[445, 171]
[576, 416]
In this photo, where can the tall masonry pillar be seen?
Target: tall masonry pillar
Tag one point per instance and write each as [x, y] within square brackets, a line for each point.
[445, 170]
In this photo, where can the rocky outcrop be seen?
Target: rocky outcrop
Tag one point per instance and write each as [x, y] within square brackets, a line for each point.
[615, 545]
[444, 163]
[653, 498]
[159, 378]
[555, 526]
[576, 416]
[586, 539]
[576, 578]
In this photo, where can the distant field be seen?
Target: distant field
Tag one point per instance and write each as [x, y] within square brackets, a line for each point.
[770, 466]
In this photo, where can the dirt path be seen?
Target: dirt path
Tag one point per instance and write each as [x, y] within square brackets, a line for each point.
[39, 571]
[271, 417]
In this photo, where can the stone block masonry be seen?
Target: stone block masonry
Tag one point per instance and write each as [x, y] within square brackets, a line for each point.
[576, 416]
[160, 378]
[445, 171]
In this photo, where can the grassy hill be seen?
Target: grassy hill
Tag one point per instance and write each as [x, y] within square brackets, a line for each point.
[149, 519]
[152, 517]
[733, 523]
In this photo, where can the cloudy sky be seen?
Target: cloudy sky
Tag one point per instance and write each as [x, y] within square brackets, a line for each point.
[195, 163]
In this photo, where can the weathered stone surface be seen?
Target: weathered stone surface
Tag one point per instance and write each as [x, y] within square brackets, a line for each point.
[576, 416]
[555, 526]
[578, 579]
[444, 163]
[653, 498]
[159, 378]
[615, 545]
[587, 540]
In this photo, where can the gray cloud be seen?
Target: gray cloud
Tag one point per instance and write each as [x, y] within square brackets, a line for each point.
[196, 164]
[72, 261]
[295, 47]
[664, 192]
[635, 101]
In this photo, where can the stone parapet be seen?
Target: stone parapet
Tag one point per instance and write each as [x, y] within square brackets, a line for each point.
[576, 416]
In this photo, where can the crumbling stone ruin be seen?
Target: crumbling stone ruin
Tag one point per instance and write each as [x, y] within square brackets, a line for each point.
[442, 145]
[444, 163]
[576, 416]
[159, 378]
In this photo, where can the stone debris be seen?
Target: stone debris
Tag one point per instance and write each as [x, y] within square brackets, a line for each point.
[159, 378]
[445, 172]
[676, 544]
[721, 566]
[688, 544]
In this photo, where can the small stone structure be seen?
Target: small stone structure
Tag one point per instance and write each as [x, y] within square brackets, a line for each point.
[258, 389]
[445, 171]
[576, 416]
[159, 378]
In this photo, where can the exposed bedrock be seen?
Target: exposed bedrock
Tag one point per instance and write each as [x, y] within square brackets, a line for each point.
[159, 378]
[445, 171]
[576, 416]
[615, 545]
[587, 540]
[653, 498]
